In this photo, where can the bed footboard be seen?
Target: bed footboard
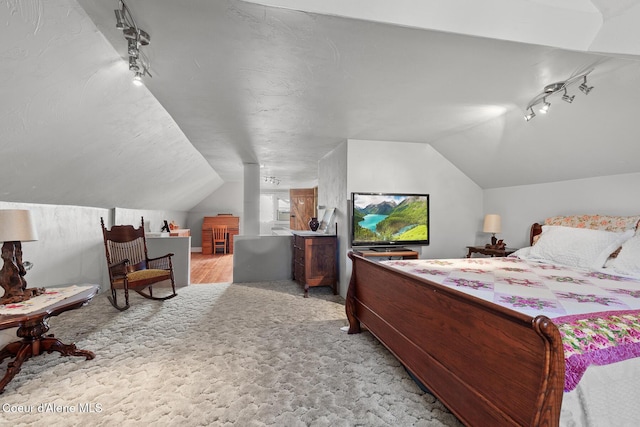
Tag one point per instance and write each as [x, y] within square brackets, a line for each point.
[487, 364]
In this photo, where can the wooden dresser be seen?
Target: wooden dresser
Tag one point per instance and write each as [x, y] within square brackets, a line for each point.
[314, 260]
[233, 228]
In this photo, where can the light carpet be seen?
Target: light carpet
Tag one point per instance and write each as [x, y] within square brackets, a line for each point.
[224, 354]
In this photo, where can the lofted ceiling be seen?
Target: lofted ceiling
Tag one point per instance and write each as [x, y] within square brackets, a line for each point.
[284, 82]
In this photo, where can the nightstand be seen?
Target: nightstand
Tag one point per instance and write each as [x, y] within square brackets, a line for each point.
[491, 252]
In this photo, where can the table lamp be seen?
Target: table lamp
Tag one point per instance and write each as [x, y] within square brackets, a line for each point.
[16, 226]
[492, 225]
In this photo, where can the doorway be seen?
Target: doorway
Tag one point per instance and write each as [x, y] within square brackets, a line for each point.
[303, 206]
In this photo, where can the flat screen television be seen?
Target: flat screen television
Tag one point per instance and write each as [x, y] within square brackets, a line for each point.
[387, 220]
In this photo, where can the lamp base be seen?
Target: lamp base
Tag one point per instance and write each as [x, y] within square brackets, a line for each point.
[12, 276]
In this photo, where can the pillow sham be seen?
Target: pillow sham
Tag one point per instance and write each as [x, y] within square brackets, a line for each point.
[596, 222]
[577, 247]
[628, 260]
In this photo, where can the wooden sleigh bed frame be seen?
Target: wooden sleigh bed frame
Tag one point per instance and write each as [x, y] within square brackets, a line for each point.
[489, 365]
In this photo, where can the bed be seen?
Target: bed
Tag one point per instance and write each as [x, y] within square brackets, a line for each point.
[494, 355]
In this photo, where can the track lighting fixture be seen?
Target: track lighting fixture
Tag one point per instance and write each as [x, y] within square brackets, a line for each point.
[552, 89]
[136, 38]
[271, 180]
[584, 88]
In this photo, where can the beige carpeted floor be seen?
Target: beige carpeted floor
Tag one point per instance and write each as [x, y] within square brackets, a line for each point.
[240, 354]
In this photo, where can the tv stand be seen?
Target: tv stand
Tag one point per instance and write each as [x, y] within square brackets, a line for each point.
[403, 253]
[391, 249]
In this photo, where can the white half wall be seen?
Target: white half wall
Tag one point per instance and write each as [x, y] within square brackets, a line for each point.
[69, 249]
[521, 206]
[70, 246]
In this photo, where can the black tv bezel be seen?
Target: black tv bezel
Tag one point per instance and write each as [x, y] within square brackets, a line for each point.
[387, 243]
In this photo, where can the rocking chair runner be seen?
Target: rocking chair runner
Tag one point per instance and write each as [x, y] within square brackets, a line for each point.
[129, 265]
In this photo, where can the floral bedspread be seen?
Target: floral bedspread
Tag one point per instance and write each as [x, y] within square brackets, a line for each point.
[598, 314]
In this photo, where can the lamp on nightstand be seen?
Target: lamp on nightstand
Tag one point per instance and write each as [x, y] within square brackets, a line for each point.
[492, 225]
[16, 226]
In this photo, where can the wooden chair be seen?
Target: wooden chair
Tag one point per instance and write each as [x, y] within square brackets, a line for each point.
[220, 234]
[129, 265]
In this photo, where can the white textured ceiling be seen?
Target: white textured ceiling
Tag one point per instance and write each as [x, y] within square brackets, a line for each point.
[238, 82]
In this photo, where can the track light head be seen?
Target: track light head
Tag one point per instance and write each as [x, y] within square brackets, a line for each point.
[133, 64]
[584, 88]
[545, 107]
[530, 115]
[137, 79]
[567, 98]
[120, 23]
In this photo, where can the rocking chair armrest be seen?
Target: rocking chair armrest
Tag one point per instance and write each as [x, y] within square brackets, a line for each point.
[169, 255]
[119, 268]
[162, 262]
[122, 264]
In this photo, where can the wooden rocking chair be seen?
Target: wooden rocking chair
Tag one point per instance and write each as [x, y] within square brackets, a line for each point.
[129, 265]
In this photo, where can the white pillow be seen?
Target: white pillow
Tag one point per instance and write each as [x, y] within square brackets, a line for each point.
[628, 260]
[577, 247]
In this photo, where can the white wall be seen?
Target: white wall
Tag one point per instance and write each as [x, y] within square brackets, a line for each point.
[523, 205]
[381, 166]
[153, 220]
[70, 246]
[332, 193]
[69, 249]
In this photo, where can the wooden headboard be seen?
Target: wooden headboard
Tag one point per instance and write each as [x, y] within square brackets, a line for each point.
[535, 230]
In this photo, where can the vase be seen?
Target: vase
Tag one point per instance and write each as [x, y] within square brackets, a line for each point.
[314, 224]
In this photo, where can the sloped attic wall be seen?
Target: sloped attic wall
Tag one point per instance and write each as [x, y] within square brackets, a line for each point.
[75, 129]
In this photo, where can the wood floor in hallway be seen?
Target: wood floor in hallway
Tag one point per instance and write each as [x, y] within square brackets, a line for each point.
[216, 268]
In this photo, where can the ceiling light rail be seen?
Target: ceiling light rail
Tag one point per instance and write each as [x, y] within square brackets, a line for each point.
[136, 38]
[271, 180]
[554, 88]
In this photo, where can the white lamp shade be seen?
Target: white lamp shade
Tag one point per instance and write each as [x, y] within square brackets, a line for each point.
[491, 223]
[16, 225]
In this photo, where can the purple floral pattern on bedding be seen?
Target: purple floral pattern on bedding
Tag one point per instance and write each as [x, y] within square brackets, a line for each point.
[440, 262]
[466, 283]
[597, 339]
[628, 292]
[600, 275]
[522, 282]
[590, 298]
[529, 302]
[473, 270]
[402, 263]
[569, 279]
[514, 269]
[478, 261]
[548, 267]
[429, 272]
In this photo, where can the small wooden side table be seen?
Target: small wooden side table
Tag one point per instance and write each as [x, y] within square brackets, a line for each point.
[404, 254]
[32, 328]
[491, 252]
